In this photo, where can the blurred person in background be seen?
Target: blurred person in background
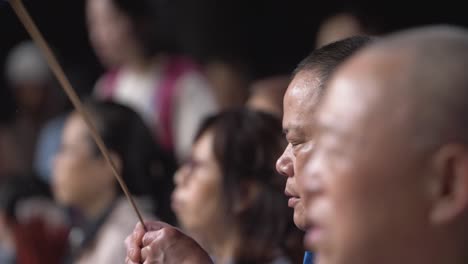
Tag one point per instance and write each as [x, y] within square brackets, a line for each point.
[84, 182]
[29, 78]
[229, 196]
[33, 229]
[267, 94]
[48, 142]
[230, 81]
[132, 40]
[10, 158]
[339, 26]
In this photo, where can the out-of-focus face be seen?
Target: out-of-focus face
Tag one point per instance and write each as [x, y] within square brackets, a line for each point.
[299, 105]
[4, 228]
[337, 27]
[197, 198]
[364, 196]
[79, 175]
[111, 33]
[30, 96]
[267, 94]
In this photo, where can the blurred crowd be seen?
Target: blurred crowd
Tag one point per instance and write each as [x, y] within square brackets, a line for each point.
[196, 142]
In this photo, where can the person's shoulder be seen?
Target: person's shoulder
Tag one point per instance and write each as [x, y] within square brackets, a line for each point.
[105, 84]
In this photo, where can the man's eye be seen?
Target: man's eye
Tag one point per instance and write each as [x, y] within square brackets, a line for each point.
[295, 144]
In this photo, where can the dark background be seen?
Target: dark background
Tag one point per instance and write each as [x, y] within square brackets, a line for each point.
[270, 36]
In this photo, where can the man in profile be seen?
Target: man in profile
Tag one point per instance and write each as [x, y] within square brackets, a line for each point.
[387, 181]
[300, 101]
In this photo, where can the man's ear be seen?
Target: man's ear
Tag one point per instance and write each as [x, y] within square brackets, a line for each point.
[449, 186]
[248, 193]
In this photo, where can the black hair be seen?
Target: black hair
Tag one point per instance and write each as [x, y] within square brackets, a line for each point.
[146, 168]
[246, 146]
[327, 58]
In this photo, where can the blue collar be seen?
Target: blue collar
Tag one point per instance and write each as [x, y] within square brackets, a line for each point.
[308, 258]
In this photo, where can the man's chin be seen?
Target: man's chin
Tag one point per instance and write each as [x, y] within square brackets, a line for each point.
[299, 221]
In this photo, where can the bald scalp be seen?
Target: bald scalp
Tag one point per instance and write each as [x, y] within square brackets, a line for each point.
[432, 78]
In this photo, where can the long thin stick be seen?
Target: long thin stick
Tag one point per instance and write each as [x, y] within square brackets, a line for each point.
[36, 35]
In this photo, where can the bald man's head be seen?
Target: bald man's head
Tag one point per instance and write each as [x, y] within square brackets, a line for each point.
[388, 181]
[429, 67]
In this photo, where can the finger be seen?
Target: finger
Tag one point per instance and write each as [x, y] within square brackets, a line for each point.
[129, 261]
[136, 237]
[146, 253]
[154, 225]
[151, 237]
[133, 249]
[139, 230]
[152, 255]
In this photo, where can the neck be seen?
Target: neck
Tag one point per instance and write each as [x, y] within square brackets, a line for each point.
[454, 254]
[448, 257]
[441, 247]
[449, 245]
[95, 207]
[225, 246]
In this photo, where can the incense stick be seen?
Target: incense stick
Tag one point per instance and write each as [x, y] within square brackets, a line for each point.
[37, 37]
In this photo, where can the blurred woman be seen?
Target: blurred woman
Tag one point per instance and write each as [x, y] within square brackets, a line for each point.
[83, 181]
[132, 40]
[228, 195]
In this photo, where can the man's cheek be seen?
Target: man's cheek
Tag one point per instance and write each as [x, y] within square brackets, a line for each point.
[303, 154]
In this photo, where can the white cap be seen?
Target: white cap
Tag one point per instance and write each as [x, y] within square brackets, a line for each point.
[25, 63]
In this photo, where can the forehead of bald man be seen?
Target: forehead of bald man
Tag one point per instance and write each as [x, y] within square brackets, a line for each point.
[422, 71]
[438, 52]
[434, 56]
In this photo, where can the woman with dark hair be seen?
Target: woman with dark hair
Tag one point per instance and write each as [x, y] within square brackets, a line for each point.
[132, 40]
[83, 181]
[228, 195]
